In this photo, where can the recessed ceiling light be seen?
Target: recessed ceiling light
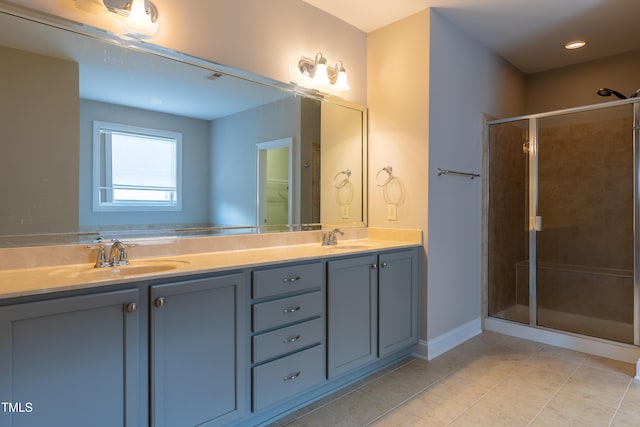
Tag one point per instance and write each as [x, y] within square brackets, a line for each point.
[576, 44]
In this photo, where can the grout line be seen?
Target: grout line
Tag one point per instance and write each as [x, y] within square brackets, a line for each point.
[624, 395]
[413, 396]
[374, 378]
[431, 385]
[531, 355]
[488, 391]
[556, 392]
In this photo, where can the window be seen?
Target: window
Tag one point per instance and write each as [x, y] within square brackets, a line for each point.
[136, 169]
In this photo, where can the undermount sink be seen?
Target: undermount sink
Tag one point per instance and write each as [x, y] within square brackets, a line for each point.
[135, 268]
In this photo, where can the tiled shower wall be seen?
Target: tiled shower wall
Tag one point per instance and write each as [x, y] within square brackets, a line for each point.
[586, 202]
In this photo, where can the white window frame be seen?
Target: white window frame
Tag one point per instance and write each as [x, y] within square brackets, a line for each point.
[137, 206]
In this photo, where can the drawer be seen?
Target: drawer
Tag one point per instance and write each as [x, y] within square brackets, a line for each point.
[276, 281]
[286, 340]
[283, 378]
[283, 311]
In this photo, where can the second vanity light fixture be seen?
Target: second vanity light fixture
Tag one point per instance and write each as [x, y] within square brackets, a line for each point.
[139, 16]
[321, 74]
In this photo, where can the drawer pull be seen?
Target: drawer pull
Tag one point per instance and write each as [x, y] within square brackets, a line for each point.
[291, 309]
[291, 377]
[384, 265]
[291, 279]
[291, 339]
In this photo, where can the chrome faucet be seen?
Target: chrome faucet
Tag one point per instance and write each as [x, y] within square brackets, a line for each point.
[118, 254]
[330, 238]
[101, 261]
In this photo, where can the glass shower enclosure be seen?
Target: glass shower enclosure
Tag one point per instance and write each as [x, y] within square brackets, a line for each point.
[562, 220]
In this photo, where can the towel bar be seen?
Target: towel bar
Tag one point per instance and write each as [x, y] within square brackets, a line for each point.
[470, 175]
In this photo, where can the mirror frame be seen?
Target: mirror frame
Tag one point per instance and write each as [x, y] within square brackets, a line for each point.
[128, 42]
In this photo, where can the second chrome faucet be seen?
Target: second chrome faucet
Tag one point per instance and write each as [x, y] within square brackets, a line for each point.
[330, 238]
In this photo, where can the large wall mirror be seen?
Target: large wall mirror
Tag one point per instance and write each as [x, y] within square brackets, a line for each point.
[102, 137]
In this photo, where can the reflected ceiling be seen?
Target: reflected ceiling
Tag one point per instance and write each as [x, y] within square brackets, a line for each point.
[115, 75]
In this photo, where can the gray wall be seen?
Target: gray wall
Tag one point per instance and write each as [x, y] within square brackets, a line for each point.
[233, 157]
[577, 85]
[466, 80]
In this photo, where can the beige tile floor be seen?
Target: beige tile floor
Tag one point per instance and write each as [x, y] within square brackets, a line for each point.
[491, 380]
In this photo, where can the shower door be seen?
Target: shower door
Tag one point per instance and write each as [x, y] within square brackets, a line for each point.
[583, 228]
[562, 221]
[508, 218]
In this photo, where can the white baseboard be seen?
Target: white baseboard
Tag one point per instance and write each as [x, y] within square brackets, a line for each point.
[611, 350]
[617, 351]
[445, 342]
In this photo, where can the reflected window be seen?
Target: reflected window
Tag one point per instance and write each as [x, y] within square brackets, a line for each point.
[136, 169]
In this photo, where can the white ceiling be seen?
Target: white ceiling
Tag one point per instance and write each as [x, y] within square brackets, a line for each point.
[528, 33]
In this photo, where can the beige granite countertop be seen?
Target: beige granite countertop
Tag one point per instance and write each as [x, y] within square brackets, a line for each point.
[20, 282]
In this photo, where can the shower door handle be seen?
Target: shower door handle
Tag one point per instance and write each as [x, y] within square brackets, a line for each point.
[537, 223]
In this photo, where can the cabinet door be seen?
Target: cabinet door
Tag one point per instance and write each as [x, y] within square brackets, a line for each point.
[198, 353]
[73, 361]
[352, 313]
[398, 301]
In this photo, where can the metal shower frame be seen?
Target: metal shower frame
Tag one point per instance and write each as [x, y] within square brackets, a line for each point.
[534, 224]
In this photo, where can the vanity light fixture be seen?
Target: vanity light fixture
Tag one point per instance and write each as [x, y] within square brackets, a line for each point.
[140, 16]
[320, 74]
[576, 44]
[95, 7]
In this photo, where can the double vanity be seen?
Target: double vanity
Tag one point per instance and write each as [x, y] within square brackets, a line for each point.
[221, 329]
[229, 337]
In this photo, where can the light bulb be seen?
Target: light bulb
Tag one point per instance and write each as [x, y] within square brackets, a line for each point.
[576, 44]
[138, 17]
[342, 84]
[321, 75]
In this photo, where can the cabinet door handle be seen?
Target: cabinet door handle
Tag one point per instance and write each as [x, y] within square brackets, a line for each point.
[384, 265]
[291, 279]
[131, 307]
[291, 339]
[291, 309]
[291, 377]
[159, 302]
[374, 266]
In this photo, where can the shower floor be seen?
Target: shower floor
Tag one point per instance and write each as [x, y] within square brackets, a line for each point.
[576, 323]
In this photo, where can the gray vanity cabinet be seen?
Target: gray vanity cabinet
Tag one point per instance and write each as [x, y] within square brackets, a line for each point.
[398, 284]
[352, 313]
[198, 353]
[71, 361]
[288, 310]
[372, 308]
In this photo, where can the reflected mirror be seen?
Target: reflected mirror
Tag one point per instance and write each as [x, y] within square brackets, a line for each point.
[100, 139]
